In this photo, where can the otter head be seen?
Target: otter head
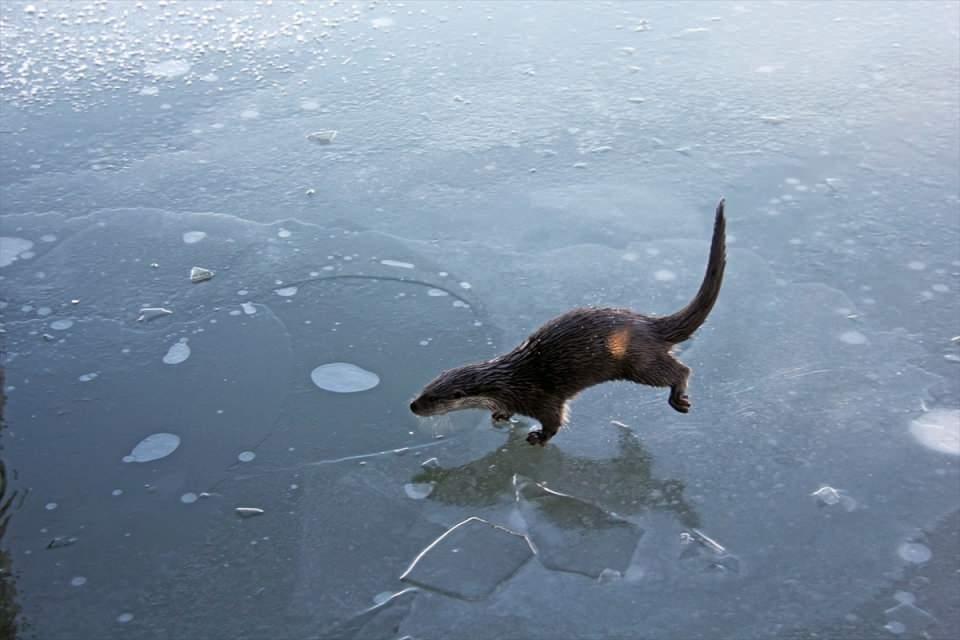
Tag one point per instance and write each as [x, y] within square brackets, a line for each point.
[469, 387]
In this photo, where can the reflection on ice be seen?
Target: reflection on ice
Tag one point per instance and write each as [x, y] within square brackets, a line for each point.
[572, 535]
[469, 560]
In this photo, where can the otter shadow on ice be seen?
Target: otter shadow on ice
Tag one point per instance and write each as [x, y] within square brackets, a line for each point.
[623, 483]
[573, 510]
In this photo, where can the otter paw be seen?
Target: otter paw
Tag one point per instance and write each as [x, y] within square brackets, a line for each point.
[501, 417]
[680, 402]
[537, 437]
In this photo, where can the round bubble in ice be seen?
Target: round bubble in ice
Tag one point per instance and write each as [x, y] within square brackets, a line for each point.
[286, 292]
[853, 337]
[418, 490]
[914, 552]
[188, 498]
[343, 377]
[78, 581]
[167, 68]
[938, 430]
[61, 325]
[193, 237]
[154, 447]
[246, 456]
[124, 618]
[177, 353]
[664, 275]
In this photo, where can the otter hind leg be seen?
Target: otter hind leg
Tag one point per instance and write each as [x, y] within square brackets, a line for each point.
[666, 371]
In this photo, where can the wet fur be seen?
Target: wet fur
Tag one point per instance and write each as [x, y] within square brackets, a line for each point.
[579, 349]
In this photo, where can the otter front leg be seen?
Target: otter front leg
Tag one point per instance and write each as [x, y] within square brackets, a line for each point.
[550, 420]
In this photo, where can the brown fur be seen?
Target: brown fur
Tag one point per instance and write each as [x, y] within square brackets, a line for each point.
[579, 349]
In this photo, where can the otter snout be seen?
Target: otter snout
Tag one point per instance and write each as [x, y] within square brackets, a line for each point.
[418, 407]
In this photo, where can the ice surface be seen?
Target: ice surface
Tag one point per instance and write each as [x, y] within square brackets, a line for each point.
[470, 560]
[572, 535]
[850, 185]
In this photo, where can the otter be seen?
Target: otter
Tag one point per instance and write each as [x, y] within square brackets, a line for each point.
[579, 349]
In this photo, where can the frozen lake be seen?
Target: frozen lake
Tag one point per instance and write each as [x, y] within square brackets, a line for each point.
[237, 237]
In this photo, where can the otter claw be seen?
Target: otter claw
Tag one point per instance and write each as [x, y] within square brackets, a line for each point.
[681, 403]
[536, 437]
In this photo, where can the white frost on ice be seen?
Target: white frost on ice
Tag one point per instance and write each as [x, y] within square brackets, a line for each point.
[12, 248]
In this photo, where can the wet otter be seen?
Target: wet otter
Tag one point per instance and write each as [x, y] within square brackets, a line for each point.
[580, 349]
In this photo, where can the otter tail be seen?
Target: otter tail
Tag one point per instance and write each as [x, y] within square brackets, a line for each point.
[679, 326]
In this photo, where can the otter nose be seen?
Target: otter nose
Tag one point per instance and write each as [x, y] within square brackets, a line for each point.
[413, 406]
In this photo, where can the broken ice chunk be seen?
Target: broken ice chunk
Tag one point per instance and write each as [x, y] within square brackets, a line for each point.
[572, 535]
[469, 560]
[379, 622]
[199, 274]
[149, 313]
[706, 553]
[322, 137]
[827, 496]
[248, 512]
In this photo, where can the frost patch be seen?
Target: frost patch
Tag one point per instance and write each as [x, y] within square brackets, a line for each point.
[11, 248]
